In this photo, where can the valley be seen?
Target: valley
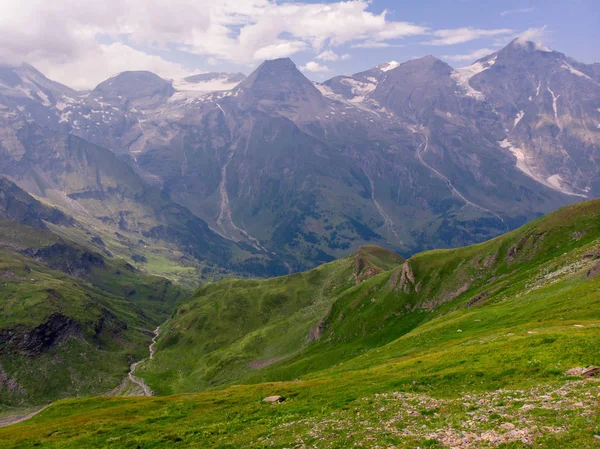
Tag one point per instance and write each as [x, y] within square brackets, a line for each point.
[465, 347]
[407, 256]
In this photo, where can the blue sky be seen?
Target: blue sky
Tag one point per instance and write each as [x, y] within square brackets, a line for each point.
[82, 43]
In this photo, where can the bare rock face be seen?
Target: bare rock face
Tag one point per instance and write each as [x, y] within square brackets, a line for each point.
[57, 329]
[407, 278]
[312, 171]
[138, 89]
[593, 272]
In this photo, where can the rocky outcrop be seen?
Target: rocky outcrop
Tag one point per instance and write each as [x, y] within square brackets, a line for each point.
[68, 259]
[593, 272]
[407, 277]
[33, 342]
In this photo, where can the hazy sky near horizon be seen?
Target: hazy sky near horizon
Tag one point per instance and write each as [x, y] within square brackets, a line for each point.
[82, 43]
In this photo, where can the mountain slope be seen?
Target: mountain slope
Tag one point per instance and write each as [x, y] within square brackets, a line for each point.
[98, 188]
[499, 364]
[259, 331]
[235, 326]
[411, 156]
[72, 319]
[549, 107]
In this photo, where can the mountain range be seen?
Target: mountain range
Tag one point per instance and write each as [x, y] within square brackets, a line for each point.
[273, 173]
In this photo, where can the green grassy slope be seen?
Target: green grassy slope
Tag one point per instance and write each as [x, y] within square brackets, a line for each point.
[288, 327]
[233, 327]
[72, 319]
[480, 370]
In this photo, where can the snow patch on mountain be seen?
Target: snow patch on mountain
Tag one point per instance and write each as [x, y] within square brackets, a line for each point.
[390, 65]
[554, 182]
[574, 71]
[518, 118]
[462, 80]
[359, 88]
[463, 75]
[190, 90]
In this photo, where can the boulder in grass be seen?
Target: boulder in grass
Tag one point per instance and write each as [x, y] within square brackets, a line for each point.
[592, 371]
[274, 399]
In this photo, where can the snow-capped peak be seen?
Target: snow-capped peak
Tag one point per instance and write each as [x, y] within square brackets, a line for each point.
[390, 65]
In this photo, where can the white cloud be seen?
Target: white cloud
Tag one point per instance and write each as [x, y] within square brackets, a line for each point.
[477, 54]
[107, 60]
[516, 11]
[537, 35]
[314, 67]
[329, 55]
[462, 35]
[279, 50]
[63, 32]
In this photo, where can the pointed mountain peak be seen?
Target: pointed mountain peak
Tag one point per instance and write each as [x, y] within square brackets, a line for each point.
[279, 80]
[426, 64]
[523, 46]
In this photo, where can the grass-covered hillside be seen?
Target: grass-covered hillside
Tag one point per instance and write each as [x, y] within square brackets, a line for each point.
[72, 318]
[234, 328]
[484, 346]
[288, 327]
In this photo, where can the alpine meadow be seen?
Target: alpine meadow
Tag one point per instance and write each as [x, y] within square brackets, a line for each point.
[281, 224]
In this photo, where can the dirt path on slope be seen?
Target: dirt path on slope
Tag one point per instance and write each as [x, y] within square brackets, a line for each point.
[14, 419]
[131, 376]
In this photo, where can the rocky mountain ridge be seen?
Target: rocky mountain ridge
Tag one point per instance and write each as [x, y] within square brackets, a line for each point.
[410, 155]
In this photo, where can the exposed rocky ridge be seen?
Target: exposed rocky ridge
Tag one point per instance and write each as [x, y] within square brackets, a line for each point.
[15, 204]
[422, 155]
[33, 342]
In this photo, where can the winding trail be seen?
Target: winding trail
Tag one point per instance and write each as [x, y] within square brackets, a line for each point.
[14, 419]
[422, 148]
[140, 382]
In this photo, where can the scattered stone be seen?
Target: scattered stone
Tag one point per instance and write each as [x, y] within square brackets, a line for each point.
[577, 371]
[591, 371]
[460, 330]
[274, 399]
[405, 417]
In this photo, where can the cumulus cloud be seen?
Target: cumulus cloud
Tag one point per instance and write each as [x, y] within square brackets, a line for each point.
[63, 33]
[477, 54]
[78, 42]
[314, 67]
[462, 35]
[108, 60]
[329, 55]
